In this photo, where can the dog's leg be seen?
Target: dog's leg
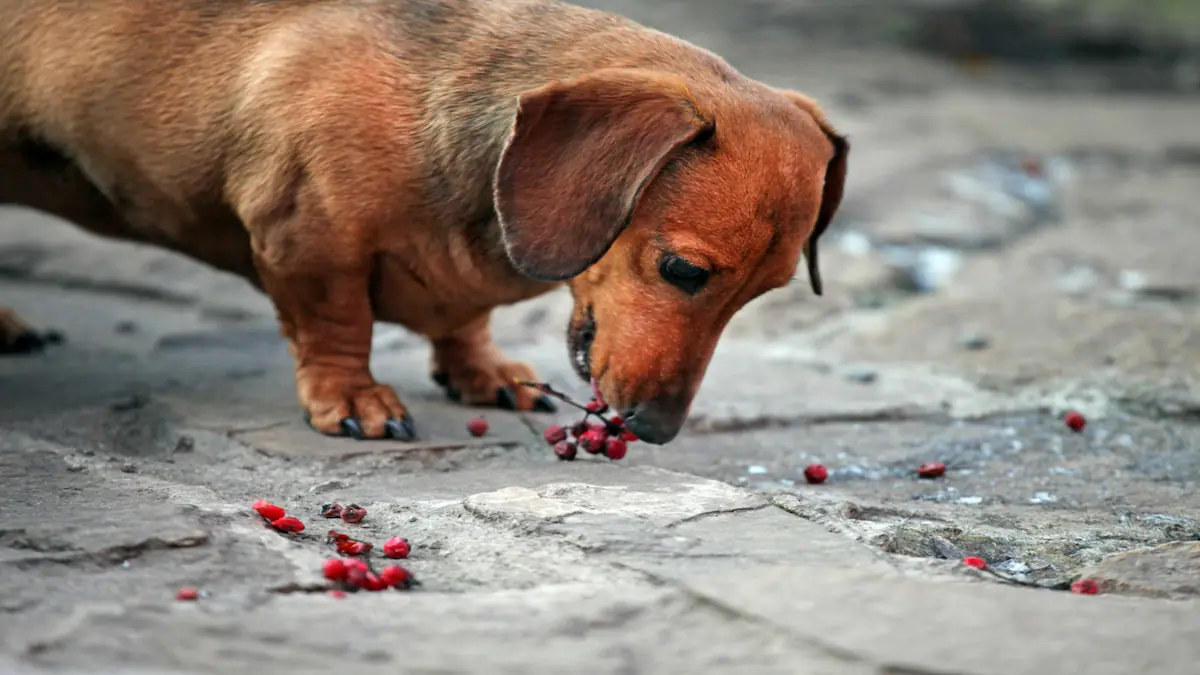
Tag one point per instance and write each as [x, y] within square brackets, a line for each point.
[472, 369]
[18, 337]
[324, 310]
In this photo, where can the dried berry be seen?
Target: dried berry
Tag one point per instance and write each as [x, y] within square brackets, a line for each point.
[353, 513]
[332, 510]
[597, 407]
[356, 548]
[288, 525]
[373, 582]
[268, 510]
[614, 449]
[334, 569]
[815, 474]
[1075, 421]
[395, 576]
[976, 562]
[187, 593]
[1085, 587]
[337, 594]
[396, 547]
[477, 427]
[580, 428]
[593, 441]
[931, 470]
[554, 434]
[565, 450]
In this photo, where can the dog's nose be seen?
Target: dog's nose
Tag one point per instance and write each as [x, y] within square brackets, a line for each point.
[656, 421]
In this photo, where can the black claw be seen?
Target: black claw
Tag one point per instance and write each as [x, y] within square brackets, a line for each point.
[505, 399]
[25, 343]
[308, 419]
[54, 337]
[351, 427]
[402, 429]
[544, 404]
[454, 395]
[441, 378]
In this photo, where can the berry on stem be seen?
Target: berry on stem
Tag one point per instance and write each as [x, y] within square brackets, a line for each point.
[187, 593]
[332, 510]
[477, 426]
[596, 407]
[554, 434]
[288, 525]
[593, 441]
[565, 450]
[931, 470]
[268, 510]
[353, 513]
[615, 449]
[815, 474]
[975, 561]
[396, 547]
[1075, 421]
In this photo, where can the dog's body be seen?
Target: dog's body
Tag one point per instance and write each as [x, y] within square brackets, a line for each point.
[359, 160]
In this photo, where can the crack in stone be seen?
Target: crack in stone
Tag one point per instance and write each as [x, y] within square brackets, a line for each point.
[702, 425]
[111, 555]
[717, 512]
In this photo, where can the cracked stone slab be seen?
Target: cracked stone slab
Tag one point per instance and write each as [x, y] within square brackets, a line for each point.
[920, 626]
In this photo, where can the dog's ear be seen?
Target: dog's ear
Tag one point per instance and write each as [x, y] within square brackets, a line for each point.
[835, 183]
[580, 155]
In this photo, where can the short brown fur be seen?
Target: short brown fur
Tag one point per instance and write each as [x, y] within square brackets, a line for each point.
[423, 162]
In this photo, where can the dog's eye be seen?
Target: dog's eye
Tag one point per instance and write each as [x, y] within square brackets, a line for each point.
[682, 274]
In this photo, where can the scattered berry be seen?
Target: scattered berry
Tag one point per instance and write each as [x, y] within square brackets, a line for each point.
[268, 510]
[331, 510]
[288, 525]
[594, 441]
[355, 547]
[976, 562]
[615, 449]
[356, 578]
[597, 407]
[187, 593]
[353, 513]
[815, 474]
[337, 594]
[554, 434]
[931, 470]
[355, 564]
[395, 576]
[477, 427]
[1085, 587]
[1075, 421]
[565, 450]
[336, 536]
[334, 569]
[396, 547]
[374, 583]
[628, 436]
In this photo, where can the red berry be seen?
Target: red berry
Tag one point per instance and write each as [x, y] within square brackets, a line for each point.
[565, 450]
[187, 593]
[356, 577]
[334, 569]
[815, 474]
[360, 548]
[374, 583]
[973, 561]
[338, 536]
[593, 441]
[580, 428]
[1075, 421]
[554, 434]
[396, 547]
[337, 594]
[353, 513]
[477, 427]
[395, 576]
[268, 510]
[598, 407]
[628, 436]
[614, 449]
[332, 510]
[931, 470]
[288, 525]
[355, 564]
[1085, 587]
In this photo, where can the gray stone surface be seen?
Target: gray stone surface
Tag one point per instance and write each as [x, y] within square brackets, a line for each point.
[1015, 244]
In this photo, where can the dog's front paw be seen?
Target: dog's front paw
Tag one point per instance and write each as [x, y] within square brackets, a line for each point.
[339, 405]
[18, 337]
[484, 379]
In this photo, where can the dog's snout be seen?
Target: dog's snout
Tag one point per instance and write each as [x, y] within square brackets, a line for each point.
[656, 421]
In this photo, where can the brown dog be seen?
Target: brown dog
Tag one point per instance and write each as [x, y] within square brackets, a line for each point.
[422, 162]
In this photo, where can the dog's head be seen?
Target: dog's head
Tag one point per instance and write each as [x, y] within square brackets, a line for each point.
[666, 211]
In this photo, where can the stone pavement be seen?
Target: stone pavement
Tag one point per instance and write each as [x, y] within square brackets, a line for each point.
[1006, 253]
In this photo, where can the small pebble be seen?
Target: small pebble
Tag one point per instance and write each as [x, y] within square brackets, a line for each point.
[128, 467]
[974, 342]
[756, 470]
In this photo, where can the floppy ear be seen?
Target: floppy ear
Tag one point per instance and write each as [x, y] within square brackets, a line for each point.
[835, 182]
[580, 155]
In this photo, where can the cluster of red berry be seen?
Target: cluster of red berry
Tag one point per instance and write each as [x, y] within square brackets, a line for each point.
[351, 514]
[356, 573]
[607, 436]
[277, 517]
